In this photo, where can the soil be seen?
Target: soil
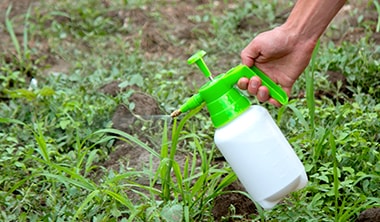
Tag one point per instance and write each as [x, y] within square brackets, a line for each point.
[223, 203]
[155, 43]
[370, 215]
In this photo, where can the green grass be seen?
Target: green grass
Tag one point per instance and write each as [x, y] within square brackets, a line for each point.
[54, 136]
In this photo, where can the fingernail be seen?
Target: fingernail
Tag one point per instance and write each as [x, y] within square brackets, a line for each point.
[254, 84]
[261, 94]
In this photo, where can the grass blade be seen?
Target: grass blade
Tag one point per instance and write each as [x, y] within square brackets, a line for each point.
[90, 160]
[335, 173]
[9, 120]
[25, 34]
[63, 179]
[167, 167]
[121, 199]
[164, 145]
[42, 147]
[377, 5]
[310, 88]
[85, 202]
[299, 116]
[10, 29]
[129, 138]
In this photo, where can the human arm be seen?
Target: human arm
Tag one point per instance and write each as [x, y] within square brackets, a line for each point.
[284, 52]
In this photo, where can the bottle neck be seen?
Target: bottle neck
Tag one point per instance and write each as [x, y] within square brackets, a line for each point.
[227, 107]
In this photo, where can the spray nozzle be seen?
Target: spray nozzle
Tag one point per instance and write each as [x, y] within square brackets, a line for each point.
[195, 100]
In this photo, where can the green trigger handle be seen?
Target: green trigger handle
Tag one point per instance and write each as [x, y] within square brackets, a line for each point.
[275, 91]
[233, 76]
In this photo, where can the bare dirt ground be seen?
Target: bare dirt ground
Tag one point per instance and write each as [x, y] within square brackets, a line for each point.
[154, 44]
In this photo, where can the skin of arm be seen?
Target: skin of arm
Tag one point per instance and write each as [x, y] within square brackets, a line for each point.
[284, 52]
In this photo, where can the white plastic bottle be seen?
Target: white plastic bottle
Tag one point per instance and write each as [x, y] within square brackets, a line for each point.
[247, 136]
[260, 156]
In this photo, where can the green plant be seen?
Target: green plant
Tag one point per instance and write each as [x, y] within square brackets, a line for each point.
[377, 5]
[21, 65]
[23, 55]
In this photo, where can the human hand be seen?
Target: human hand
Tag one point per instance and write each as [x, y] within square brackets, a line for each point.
[281, 55]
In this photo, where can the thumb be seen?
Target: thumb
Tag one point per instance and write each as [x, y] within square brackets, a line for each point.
[249, 54]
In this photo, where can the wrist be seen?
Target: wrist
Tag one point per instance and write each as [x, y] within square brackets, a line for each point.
[297, 35]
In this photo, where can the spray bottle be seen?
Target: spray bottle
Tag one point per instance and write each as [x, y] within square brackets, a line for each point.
[247, 136]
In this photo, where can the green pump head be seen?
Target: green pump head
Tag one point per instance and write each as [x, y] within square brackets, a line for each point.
[223, 100]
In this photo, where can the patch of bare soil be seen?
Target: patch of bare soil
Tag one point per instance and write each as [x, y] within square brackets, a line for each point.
[136, 122]
[232, 203]
[143, 121]
[7, 50]
[18, 9]
[347, 27]
[370, 215]
[40, 54]
[156, 40]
